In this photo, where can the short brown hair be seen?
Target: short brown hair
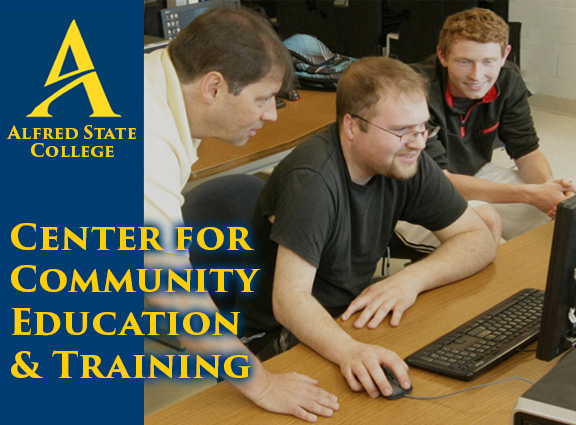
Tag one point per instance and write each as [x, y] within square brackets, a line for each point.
[481, 25]
[237, 42]
[369, 79]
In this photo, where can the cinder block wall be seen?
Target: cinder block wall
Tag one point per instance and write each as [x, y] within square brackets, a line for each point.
[548, 45]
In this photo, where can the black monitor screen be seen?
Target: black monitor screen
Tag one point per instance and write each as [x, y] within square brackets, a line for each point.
[558, 331]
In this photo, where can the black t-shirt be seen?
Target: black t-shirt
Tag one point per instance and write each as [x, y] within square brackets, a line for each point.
[339, 227]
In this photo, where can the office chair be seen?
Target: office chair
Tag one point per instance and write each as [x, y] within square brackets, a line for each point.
[398, 249]
[221, 202]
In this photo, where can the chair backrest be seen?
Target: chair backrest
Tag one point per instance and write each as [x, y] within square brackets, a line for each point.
[221, 202]
[400, 249]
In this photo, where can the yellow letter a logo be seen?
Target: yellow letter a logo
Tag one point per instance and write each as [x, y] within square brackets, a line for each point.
[96, 95]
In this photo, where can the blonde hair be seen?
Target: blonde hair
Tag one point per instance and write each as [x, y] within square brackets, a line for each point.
[481, 25]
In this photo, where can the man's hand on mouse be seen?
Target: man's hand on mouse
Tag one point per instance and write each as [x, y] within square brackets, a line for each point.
[361, 366]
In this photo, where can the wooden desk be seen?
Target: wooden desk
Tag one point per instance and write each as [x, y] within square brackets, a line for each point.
[297, 121]
[521, 262]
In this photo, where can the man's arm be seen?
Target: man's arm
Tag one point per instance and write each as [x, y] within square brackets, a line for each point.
[542, 190]
[296, 309]
[535, 169]
[467, 247]
[288, 393]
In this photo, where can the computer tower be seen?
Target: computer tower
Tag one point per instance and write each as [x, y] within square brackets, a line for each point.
[552, 400]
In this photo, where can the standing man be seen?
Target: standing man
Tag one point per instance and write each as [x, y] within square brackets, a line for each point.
[478, 99]
[217, 78]
[326, 215]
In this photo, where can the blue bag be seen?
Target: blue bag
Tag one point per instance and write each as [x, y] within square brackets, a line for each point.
[316, 66]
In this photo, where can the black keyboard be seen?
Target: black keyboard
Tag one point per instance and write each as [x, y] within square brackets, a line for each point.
[486, 340]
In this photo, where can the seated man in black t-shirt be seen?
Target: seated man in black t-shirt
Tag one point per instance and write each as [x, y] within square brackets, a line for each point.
[325, 217]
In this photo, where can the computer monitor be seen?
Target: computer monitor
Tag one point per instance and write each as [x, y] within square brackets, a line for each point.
[351, 28]
[152, 43]
[177, 18]
[558, 326]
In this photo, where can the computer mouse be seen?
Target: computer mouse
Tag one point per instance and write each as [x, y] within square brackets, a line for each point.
[291, 95]
[397, 390]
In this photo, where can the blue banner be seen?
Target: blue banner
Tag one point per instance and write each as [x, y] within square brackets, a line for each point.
[71, 126]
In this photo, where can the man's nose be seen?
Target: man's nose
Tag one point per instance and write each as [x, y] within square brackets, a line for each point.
[270, 112]
[476, 71]
[419, 141]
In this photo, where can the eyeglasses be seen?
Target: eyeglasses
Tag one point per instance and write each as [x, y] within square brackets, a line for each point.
[409, 136]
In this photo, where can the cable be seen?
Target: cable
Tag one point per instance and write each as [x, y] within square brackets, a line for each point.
[471, 388]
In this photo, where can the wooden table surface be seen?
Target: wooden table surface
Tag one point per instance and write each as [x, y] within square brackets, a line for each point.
[521, 262]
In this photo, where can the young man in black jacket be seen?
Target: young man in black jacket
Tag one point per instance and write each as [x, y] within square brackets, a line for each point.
[479, 99]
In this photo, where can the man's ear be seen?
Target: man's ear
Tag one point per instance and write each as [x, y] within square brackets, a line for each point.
[348, 125]
[441, 57]
[213, 85]
[506, 53]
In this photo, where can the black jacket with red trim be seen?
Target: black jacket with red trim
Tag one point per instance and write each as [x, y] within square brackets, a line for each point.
[466, 142]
